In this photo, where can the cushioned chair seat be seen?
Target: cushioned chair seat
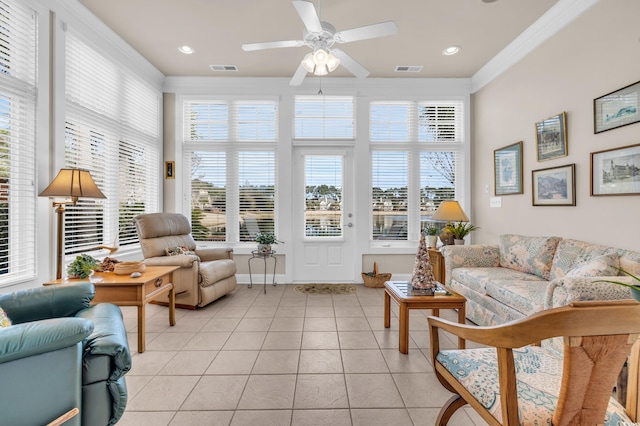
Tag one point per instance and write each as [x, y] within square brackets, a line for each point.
[538, 383]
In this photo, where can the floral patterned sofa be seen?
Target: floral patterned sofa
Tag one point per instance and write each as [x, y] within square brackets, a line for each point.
[522, 275]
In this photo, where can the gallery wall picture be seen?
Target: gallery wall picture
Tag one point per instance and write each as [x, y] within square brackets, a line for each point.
[617, 109]
[555, 186]
[507, 164]
[551, 137]
[616, 171]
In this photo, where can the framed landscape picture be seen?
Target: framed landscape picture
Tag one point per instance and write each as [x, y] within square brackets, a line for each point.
[507, 163]
[551, 137]
[617, 109]
[555, 186]
[616, 171]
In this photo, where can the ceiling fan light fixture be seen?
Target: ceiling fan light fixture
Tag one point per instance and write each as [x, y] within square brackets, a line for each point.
[307, 62]
[332, 63]
[320, 57]
[321, 70]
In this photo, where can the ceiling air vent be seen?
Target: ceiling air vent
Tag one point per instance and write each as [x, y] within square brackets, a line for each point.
[223, 68]
[409, 68]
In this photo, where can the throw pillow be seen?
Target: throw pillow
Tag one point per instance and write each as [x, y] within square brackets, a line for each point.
[174, 251]
[605, 265]
[531, 255]
[4, 319]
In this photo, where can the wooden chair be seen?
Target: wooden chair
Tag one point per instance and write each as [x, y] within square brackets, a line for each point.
[510, 383]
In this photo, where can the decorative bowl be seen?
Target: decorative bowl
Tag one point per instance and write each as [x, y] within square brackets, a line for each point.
[126, 268]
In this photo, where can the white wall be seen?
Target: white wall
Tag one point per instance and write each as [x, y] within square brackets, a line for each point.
[596, 54]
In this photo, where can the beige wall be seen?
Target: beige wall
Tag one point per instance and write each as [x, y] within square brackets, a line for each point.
[597, 53]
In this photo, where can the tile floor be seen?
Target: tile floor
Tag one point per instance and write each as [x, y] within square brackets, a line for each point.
[284, 358]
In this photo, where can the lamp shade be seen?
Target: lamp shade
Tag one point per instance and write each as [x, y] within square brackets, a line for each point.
[450, 211]
[74, 183]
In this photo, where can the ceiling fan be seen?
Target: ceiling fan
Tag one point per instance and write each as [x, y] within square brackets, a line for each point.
[321, 36]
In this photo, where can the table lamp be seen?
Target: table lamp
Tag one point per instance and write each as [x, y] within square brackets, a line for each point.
[450, 211]
[74, 183]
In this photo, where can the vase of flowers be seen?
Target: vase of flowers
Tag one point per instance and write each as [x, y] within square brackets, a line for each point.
[265, 240]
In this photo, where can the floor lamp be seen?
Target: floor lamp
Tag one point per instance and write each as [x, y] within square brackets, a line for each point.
[74, 183]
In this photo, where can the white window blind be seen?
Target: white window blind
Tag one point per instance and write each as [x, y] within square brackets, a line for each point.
[324, 117]
[230, 168]
[112, 121]
[18, 94]
[416, 156]
[389, 194]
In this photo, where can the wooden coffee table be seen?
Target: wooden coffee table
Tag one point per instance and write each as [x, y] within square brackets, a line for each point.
[408, 299]
[122, 290]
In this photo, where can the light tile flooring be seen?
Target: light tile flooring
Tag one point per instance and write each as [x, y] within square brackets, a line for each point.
[285, 358]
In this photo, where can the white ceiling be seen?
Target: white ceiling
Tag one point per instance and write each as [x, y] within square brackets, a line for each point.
[216, 29]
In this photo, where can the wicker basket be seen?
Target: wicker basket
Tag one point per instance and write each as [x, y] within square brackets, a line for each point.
[126, 268]
[377, 279]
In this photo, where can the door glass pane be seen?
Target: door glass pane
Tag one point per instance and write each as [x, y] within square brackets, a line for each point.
[323, 195]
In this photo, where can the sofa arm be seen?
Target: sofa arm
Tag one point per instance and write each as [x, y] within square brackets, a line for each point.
[109, 338]
[33, 338]
[53, 301]
[563, 291]
[182, 260]
[472, 256]
[208, 254]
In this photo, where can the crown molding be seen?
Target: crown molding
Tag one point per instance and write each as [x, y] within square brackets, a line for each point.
[101, 36]
[556, 18]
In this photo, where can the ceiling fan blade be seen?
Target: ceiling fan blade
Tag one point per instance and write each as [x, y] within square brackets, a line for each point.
[298, 77]
[350, 64]
[382, 29]
[308, 15]
[247, 47]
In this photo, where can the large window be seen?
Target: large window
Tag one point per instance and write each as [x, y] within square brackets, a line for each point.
[416, 151]
[324, 117]
[112, 129]
[230, 168]
[18, 92]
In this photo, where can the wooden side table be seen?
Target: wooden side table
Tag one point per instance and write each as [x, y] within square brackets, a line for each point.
[437, 263]
[123, 290]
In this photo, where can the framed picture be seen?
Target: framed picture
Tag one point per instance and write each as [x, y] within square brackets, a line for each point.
[507, 163]
[551, 137]
[616, 171]
[617, 109]
[555, 186]
[169, 170]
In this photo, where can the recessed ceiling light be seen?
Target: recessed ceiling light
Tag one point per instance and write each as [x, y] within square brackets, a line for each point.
[187, 50]
[451, 50]
[488, 1]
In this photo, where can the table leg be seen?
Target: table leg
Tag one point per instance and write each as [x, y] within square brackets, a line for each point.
[275, 265]
[461, 319]
[250, 278]
[264, 281]
[387, 310]
[404, 328]
[141, 327]
[172, 306]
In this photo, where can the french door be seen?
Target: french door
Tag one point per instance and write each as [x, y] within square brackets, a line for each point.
[323, 216]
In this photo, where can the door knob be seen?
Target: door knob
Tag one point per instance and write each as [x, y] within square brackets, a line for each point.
[349, 224]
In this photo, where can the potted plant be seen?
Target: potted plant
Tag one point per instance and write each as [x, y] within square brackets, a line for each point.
[431, 231]
[82, 266]
[460, 230]
[265, 240]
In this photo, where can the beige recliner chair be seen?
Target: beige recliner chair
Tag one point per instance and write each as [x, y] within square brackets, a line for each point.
[204, 276]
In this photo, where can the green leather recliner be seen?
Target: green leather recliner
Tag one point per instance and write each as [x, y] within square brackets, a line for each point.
[61, 353]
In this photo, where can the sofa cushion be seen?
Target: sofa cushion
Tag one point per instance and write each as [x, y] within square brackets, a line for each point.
[602, 266]
[532, 255]
[216, 270]
[477, 278]
[570, 253]
[630, 261]
[526, 297]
